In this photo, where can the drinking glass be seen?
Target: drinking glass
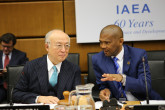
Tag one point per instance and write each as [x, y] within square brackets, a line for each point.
[60, 107]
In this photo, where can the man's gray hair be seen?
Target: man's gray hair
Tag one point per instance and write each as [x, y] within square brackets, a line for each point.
[47, 40]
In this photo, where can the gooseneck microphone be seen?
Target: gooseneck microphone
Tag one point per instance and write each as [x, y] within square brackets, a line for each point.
[147, 97]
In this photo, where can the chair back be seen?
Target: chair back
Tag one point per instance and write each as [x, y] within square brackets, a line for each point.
[156, 55]
[92, 78]
[156, 61]
[74, 58]
[14, 73]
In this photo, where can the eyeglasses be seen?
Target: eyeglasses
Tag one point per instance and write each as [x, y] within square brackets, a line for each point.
[60, 46]
[6, 46]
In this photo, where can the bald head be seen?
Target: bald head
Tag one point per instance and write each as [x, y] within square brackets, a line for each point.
[113, 30]
[111, 40]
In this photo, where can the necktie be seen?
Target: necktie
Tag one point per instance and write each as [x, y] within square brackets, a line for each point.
[117, 70]
[5, 64]
[6, 61]
[53, 79]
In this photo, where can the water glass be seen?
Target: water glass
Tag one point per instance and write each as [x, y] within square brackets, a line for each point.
[86, 107]
[60, 107]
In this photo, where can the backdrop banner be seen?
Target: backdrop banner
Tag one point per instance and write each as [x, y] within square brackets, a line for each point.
[140, 20]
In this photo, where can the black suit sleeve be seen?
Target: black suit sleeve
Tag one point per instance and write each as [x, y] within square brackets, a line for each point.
[22, 92]
[77, 78]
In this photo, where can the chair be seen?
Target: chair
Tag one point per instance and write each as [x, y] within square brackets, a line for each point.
[92, 78]
[156, 61]
[156, 55]
[14, 73]
[74, 58]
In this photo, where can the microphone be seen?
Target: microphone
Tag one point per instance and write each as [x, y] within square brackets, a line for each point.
[11, 95]
[112, 105]
[147, 97]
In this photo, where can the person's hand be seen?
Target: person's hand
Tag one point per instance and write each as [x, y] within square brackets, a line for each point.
[3, 71]
[47, 99]
[112, 77]
[105, 94]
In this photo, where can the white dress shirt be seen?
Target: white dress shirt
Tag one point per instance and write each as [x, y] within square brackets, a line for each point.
[50, 67]
[3, 57]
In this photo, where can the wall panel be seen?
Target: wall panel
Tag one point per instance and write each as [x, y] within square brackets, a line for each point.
[83, 49]
[33, 47]
[31, 18]
[69, 17]
[25, 0]
[150, 45]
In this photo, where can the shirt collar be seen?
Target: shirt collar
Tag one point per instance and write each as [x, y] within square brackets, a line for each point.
[8, 55]
[120, 55]
[50, 65]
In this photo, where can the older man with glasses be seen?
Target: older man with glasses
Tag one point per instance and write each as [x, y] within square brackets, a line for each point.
[9, 56]
[46, 78]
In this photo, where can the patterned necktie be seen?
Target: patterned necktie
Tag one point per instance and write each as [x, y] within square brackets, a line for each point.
[117, 70]
[53, 79]
[6, 61]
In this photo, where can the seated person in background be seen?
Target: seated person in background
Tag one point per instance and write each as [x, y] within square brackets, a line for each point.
[9, 56]
[35, 84]
[119, 68]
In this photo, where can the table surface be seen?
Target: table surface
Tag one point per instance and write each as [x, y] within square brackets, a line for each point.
[130, 103]
[123, 108]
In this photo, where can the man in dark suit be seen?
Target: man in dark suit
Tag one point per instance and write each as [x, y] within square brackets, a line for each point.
[9, 56]
[119, 68]
[35, 84]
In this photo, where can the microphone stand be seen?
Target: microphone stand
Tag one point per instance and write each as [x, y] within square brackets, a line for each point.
[147, 97]
[11, 95]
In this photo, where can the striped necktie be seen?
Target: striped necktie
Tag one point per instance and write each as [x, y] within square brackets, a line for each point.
[117, 71]
[53, 79]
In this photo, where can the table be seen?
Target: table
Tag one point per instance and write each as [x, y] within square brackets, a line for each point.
[130, 103]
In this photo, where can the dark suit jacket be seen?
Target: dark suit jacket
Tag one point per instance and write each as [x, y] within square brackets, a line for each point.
[34, 80]
[132, 67]
[17, 58]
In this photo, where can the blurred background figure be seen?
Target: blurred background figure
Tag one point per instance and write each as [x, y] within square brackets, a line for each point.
[9, 56]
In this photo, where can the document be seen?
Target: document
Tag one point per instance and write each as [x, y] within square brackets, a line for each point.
[153, 102]
[19, 104]
[98, 104]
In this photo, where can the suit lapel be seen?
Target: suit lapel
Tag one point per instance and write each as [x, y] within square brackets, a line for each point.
[108, 63]
[42, 73]
[111, 69]
[63, 77]
[127, 60]
[13, 56]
